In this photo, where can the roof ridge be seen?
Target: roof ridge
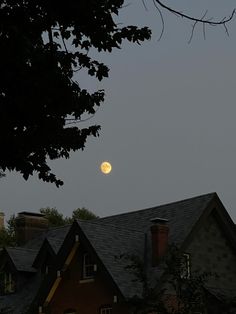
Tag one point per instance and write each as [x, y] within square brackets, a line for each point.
[162, 205]
[109, 225]
[20, 248]
[58, 227]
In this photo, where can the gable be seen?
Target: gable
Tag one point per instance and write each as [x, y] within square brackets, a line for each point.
[67, 273]
[44, 255]
[85, 295]
[212, 251]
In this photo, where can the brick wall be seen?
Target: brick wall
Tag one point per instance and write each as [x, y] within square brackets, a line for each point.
[85, 296]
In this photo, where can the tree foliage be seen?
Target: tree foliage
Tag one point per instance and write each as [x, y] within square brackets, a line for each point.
[55, 219]
[7, 234]
[43, 43]
[173, 293]
[2, 175]
[83, 213]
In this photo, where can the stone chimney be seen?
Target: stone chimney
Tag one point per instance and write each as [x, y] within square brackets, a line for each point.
[159, 238]
[29, 225]
[2, 220]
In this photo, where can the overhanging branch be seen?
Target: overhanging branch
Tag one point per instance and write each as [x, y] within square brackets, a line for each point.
[194, 19]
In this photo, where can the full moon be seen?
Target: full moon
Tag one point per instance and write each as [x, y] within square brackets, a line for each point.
[106, 167]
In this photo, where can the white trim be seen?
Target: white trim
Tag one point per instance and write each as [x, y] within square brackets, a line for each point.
[86, 266]
[106, 310]
[87, 280]
[95, 268]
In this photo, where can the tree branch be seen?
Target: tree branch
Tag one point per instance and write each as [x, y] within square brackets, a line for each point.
[191, 18]
[74, 121]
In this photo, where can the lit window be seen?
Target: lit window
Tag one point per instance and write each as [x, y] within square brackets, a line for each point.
[185, 266]
[106, 310]
[7, 283]
[88, 266]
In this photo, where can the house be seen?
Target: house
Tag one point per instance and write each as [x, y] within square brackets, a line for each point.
[79, 268]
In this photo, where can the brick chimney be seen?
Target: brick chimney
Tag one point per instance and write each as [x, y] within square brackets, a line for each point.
[159, 237]
[29, 225]
[2, 220]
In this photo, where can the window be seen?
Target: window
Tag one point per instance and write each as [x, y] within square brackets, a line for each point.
[88, 266]
[7, 283]
[185, 266]
[106, 310]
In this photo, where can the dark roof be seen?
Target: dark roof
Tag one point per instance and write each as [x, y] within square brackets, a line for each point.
[55, 238]
[22, 258]
[181, 216]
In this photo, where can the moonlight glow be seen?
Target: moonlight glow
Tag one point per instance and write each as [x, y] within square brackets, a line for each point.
[106, 167]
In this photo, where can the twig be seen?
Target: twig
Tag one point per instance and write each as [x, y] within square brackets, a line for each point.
[144, 4]
[74, 121]
[63, 40]
[162, 20]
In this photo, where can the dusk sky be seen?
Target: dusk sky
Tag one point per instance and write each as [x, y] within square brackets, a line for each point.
[168, 122]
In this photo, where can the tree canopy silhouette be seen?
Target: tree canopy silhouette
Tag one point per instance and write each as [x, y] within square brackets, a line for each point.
[43, 44]
[39, 97]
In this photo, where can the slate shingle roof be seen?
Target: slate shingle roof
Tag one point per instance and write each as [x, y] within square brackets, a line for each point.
[181, 216]
[55, 237]
[22, 258]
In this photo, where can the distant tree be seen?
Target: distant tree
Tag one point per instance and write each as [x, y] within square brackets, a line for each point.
[54, 218]
[5, 238]
[83, 213]
[7, 234]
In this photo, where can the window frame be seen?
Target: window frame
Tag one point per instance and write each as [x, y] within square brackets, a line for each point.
[106, 309]
[8, 283]
[87, 267]
[185, 271]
